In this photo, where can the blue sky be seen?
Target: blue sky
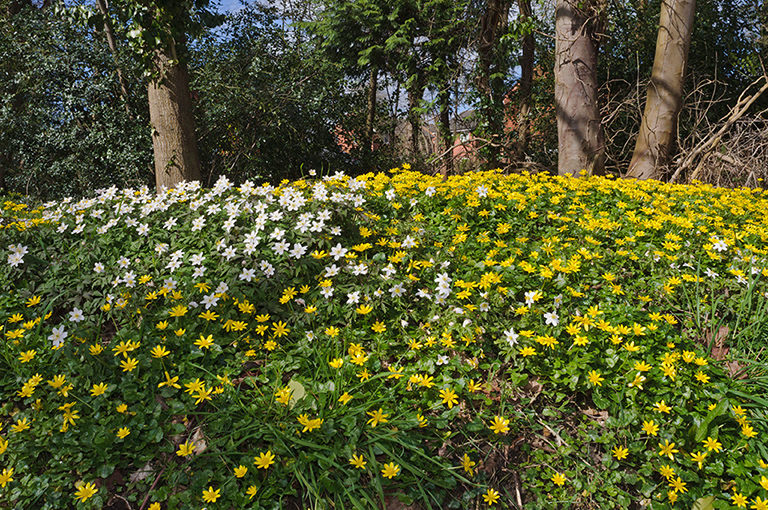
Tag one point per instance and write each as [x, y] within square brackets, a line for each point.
[229, 5]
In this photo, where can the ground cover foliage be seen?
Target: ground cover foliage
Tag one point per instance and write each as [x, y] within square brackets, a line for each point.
[487, 340]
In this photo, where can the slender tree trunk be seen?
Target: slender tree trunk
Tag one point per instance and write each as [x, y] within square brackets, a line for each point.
[526, 84]
[665, 91]
[415, 94]
[173, 128]
[446, 137]
[371, 118]
[492, 24]
[104, 9]
[579, 132]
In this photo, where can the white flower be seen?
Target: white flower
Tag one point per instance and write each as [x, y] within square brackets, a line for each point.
[430, 191]
[98, 267]
[711, 273]
[123, 262]
[143, 229]
[298, 251]
[397, 290]
[198, 223]
[230, 252]
[336, 231]
[198, 272]
[76, 315]
[338, 251]
[719, 245]
[359, 269]
[327, 292]
[482, 191]
[552, 318]
[281, 247]
[221, 288]
[511, 337]
[277, 234]
[408, 242]
[442, 359]
[210, 300]
[58, 336]
[197, 259]
[353, 297]
[247, 274]
[390, 194]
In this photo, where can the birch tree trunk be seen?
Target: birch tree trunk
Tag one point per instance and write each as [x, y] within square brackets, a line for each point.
[173, 127]
[665, 91]
[579, 132]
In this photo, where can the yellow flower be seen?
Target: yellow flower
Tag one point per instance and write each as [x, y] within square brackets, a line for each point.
[468, 464]
[240, 471]
[210, 495]
[390, 470]
[21, 425]
[364, 309]
[337, 362]
[159, 351]
[332, 331]
[620, 452]
[558, 479]
[377, 417]
[58, 381]
[667, 471]
[378, 327]
[748, 431]
[650, 428]
[85, 491]
[698, 458]
[204, 342]
[678, 484]
[346, 397]
[662, 407]
[739, 500]
[500, 425]
[760, 504]
[595, 378]
[209, 315]
[264, 460]
[449, 397]
[26, 357]
[527, 351]
[667, 449]
[280, 329]
[185, 449]
[6, 476]
[122, 432]
[251, 491]
[34, 300]
[283, 395]
[172, 382]
[178, 311]
[491, 496]
[95, 349]
[714, 445]
[98, 389]
[129, 364]
[358, 461]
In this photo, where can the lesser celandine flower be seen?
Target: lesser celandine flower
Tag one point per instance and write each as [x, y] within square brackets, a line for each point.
[558, 479]
[390, 470]
[264, 460]
[491, 496]
[85, 491]
[358, 461]
[500, 425]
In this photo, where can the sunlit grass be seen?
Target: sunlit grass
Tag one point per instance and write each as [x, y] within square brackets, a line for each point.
[488, 340]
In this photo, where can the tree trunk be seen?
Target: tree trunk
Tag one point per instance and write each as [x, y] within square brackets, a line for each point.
[371, 118]
[173, 128]
[113, 49]
[665, 91]
[446, 137]
[526, 84]
[492, 24]
[579, 133]
[415, 94]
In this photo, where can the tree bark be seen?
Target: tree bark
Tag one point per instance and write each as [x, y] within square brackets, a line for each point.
[665, 91]
[526, 84]
[173, 129]
[113, 49]
[492, 24]
[580, 137]
[415, 94]
[371, 118]
[446, 137]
